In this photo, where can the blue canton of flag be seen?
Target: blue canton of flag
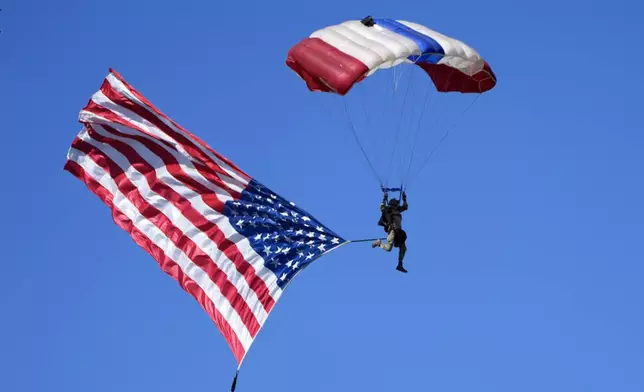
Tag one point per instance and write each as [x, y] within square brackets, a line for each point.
[287, 237]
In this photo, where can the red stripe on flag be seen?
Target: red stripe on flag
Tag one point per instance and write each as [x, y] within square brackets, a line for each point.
[167, 265]
[173, 166]
[96, 109]
[213, 232]
[106, 115]
[174, 234]
[158, 112]
[125, 102]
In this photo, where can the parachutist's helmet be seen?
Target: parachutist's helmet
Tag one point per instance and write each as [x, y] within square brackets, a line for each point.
[393, 202]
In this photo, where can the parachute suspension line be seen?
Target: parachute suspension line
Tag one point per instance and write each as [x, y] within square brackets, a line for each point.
[384, 97]
[366, 113]
[420, 120]
[402, 111]
[388, 100]
[400, 73]
[446, 135]
[355, 134]
[395, 79]
[409, 126]
[326, 110]
[352, 127]
[411, 159]
[373, 142]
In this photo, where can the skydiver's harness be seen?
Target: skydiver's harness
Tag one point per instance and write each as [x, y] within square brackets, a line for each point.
[400, 236]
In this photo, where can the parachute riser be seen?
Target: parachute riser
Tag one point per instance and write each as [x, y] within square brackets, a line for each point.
[387, 190]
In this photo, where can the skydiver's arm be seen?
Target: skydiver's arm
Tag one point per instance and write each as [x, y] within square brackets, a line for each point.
[405, 206]
[384, 202]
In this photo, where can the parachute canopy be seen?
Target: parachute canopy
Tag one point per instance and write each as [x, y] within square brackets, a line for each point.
[337, 57]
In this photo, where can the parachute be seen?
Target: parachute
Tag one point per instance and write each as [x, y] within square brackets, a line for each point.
[344, 60]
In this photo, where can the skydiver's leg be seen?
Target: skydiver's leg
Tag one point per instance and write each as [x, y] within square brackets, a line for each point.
[401, 252]
[402, 249]
[387, 245]
[390, 241]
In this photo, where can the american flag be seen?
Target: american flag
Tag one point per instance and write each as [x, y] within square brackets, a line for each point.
[228, 240]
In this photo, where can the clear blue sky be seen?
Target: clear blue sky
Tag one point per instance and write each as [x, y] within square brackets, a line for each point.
[525, 249]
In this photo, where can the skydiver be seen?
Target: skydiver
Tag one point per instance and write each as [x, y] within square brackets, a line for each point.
[391, 221]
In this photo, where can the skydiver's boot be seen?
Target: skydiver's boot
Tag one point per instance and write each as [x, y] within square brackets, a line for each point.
[400, 267]
[376, 244]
